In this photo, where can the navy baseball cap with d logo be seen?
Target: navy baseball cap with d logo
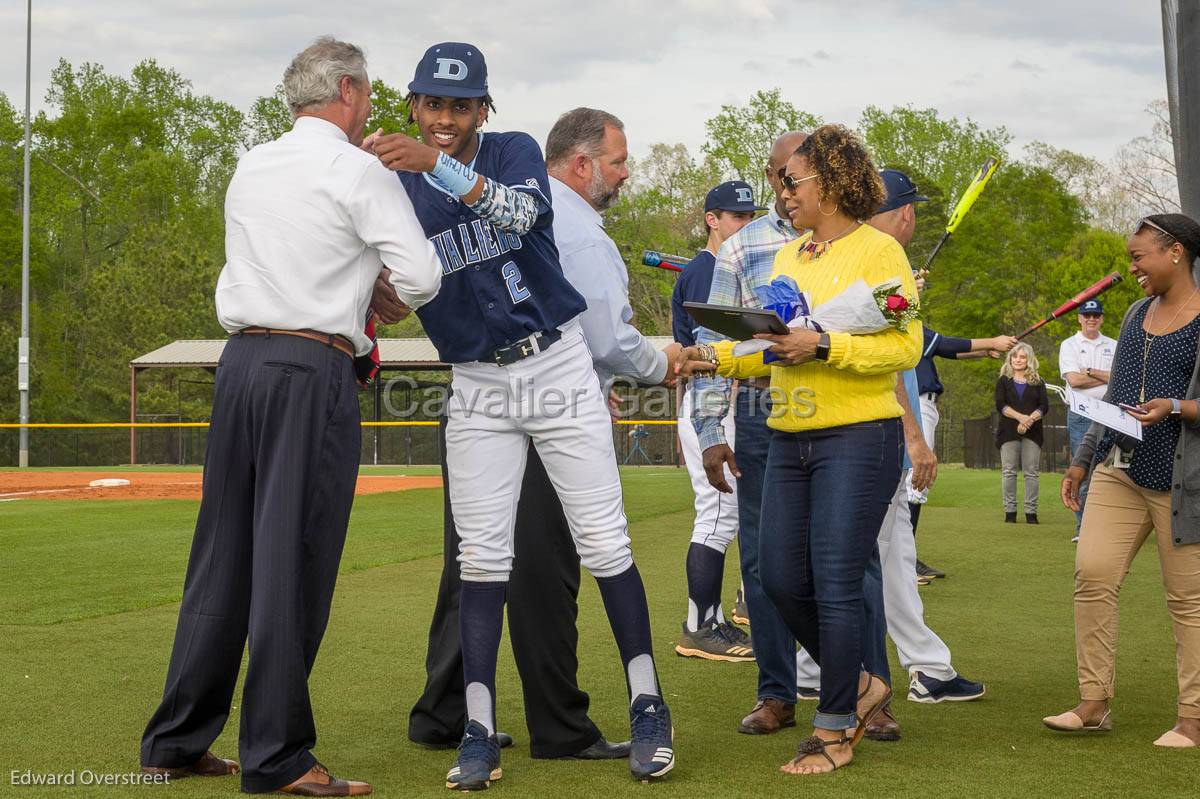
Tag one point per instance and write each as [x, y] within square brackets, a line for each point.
[1092, 307]
[451, 69]
[732, 195]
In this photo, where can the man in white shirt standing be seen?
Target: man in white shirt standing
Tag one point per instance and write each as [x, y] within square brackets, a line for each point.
[1084, 361]
[311, 220]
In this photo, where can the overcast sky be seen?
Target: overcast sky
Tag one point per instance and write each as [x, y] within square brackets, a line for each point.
[1074, 73]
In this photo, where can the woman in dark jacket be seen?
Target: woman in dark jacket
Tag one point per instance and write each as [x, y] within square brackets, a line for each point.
[1139, 486]
[1021, 401]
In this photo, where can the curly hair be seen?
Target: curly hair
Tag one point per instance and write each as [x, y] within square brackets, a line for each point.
[845, 171]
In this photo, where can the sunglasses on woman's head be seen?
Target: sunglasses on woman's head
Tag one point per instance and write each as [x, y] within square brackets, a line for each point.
[1146, 221]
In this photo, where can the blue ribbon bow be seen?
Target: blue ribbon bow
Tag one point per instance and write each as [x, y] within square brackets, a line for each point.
[783, 296]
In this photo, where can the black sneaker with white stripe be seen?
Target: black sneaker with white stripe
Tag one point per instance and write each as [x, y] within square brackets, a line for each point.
[478, 760]
[651, 753]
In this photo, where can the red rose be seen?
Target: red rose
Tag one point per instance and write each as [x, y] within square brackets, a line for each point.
[896, 302]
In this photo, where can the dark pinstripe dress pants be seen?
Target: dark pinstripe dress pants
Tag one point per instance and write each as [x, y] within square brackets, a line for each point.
[279, 476]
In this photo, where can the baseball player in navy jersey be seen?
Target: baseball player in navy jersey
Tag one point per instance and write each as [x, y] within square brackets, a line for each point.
[706, 634]
[507, 322]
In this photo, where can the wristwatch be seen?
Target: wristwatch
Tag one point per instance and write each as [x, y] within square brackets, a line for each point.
[1176, 408]
[822, 353]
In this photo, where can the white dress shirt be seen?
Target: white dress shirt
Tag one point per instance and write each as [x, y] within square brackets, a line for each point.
[310, 220]
[591, 261]
[1079, 353]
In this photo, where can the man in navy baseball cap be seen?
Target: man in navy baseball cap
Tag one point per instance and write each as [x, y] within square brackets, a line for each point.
[901, 191]
[728, 207]
[732, 195]
[451, 69]
[449, 102]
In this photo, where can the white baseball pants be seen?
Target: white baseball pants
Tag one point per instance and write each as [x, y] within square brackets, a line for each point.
[929, 422]
[555, 399]
[716, 521]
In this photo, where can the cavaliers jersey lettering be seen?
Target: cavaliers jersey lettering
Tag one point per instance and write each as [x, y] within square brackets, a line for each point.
[497, 288]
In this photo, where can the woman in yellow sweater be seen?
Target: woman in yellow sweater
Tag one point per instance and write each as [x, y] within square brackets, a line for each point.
[836, 446]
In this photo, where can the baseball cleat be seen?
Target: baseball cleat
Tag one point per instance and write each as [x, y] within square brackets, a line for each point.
[651, 753]
[478, 761]
[711, 643]
[930, 690]
[736, 634]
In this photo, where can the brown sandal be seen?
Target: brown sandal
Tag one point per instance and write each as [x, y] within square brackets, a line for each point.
[208, 766]
[865, 718]
[816, 745]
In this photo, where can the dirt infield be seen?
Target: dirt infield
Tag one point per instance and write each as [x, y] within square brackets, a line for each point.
[158, 485]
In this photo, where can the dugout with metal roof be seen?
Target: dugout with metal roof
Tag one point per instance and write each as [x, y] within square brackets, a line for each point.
[395, 355]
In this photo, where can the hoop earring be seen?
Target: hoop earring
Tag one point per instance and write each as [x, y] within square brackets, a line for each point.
[822, 210]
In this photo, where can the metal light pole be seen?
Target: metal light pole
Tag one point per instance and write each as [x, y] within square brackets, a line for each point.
[23, 343]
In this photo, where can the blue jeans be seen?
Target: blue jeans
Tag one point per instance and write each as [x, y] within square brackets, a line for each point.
[829, 492]
[774, 644]
[1077, 427]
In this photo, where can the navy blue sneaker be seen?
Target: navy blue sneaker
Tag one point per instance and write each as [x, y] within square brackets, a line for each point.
[808, 694]
[930, 690]
[650, 754]
[478, 760]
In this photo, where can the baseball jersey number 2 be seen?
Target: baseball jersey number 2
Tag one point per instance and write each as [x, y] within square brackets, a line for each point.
[512, 279]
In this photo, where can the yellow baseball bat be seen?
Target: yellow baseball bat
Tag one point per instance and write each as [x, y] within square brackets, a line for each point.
[965, 202]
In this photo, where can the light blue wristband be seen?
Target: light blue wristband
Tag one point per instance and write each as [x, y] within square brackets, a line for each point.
[454, 174]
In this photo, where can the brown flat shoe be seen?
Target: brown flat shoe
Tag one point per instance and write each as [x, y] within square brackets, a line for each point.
[208, 766]
[884, 726]
[317, 781]
[871, 699]
[768, 716]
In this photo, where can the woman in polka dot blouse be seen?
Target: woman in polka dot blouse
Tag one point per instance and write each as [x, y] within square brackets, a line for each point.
[1143, 486]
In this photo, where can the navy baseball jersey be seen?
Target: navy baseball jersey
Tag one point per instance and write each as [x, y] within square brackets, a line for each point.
[497, 288]
[692, 285]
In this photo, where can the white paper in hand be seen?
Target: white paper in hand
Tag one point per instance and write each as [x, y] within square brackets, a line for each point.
[1105, 413]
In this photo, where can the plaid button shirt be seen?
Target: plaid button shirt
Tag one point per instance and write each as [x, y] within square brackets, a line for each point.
[744, 263]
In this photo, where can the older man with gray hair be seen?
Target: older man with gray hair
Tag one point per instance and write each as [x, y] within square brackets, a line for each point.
[310, 222]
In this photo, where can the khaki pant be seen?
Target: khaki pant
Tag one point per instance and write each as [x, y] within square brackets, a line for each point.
[1118, 518]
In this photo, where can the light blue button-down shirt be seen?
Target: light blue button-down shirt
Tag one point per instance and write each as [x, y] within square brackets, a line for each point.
[591, 262]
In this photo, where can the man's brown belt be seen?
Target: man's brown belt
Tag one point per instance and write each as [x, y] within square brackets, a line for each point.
[340, 343]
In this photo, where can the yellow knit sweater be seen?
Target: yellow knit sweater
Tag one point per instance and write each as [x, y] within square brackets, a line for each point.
[857, 383]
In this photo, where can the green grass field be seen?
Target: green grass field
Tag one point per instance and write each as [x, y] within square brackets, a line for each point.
[89, 593]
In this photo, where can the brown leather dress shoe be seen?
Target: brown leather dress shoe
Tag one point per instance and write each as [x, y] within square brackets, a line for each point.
[884, 726]
[768, 716]
[317, 781]
[208, 766]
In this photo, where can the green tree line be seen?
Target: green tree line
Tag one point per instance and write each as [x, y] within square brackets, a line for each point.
[129, 175]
